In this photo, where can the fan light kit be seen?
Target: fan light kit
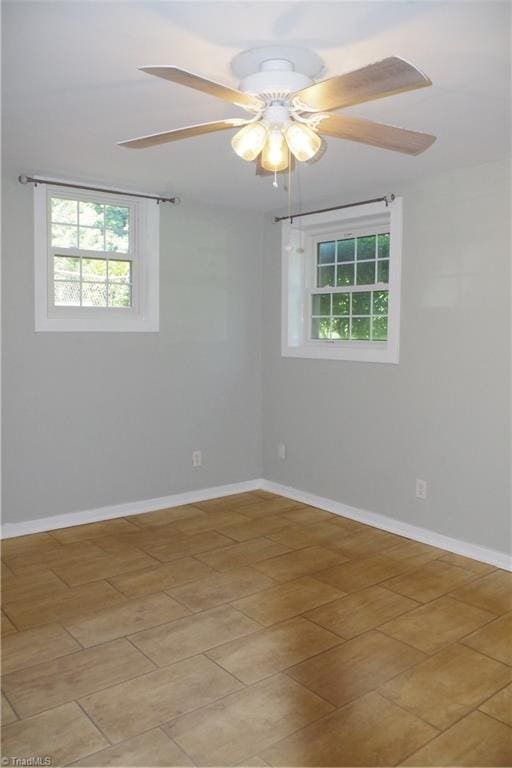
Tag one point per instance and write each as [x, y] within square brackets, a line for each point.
[289, 110]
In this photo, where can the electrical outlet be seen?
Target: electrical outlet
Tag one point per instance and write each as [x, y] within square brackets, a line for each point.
[281, 450]
[197, 459]
[421, 488]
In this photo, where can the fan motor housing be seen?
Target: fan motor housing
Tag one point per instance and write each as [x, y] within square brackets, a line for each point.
[275, 80]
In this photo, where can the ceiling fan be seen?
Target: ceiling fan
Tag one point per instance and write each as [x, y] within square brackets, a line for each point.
[289, 111]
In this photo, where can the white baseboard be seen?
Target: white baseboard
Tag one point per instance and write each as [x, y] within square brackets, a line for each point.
[426, 536]
[9, 530]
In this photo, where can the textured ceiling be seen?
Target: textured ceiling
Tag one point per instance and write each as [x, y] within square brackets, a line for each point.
[71, 89]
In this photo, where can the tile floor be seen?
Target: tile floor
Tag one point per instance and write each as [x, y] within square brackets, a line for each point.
[252, 630]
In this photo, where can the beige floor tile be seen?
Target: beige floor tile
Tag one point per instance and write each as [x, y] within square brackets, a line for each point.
[468, 563]
[300, 536]
[360, 611]
[492, 592]
[32, 586]
[494, 640]
[361, 572]
[161, 577]
[476, 740]
[447, 686]
[35, 646]
[132, 616]
[499, 706]
[351, 669]
[430, 581]
[64, 734]
[56, 682]
[183, 545]
[193, 634]
[165, 516]
[67, 606]
[7, 713]
[252, 528]
[286, 600]
[299, 563]
[103, 566]
[92, 530]
[245, 553]
[51, 556]
[210, 521]
[256, 762]
[153, 748]
[261, 494]
[364, 542]
[370, 731]
[27, 545]
[130, 708]
[7, 626]
[219, 588]
[234, 501]
[260, 508]
[272, 650]
[436, 624]
[415, 553]
[308, 515]
[227, 732]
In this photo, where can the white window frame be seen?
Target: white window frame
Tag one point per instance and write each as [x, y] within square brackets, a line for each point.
[143, 314]
[298, 282]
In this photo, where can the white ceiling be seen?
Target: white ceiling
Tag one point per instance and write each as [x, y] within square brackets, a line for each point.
[71, 89]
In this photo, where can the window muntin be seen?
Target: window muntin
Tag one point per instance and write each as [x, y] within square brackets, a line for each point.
[91, 253]
[349, 300]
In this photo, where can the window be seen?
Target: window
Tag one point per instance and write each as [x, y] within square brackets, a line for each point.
[96, 261]
[341, 284]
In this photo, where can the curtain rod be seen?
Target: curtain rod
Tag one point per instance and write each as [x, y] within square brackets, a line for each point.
[29, 179]
[386, 199]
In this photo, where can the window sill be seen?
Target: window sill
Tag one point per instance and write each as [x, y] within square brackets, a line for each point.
[379, 352]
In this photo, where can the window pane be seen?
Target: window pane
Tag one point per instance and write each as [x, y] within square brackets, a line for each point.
[345, 274]
[64, 211]
[320, 328]
[64, 236]
[326, 252]
[322, 304]
[366, 273]
[91, 215]
[361, 328]
[119, 295]
[366, 247]
[117, 218]
[117, 242]
[340, 328]
[91, 239]
[380, 328]
[383, 246]
[94, 269]
[383, 271]
[66, 268]
[345, 249]
[94, 295]
[325, 276]
[361, 303]
[341, 304]
[119, 271]
[67, 294]
[380, 302]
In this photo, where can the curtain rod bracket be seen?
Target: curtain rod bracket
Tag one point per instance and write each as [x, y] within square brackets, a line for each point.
[23, 179]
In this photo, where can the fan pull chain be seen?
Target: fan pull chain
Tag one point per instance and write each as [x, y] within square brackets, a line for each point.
[274, 183]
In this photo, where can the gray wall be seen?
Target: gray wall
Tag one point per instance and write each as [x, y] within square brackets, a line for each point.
[92, 419]
[360, 433]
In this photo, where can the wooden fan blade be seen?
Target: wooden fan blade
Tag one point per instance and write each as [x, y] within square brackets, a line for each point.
[181, 76]
[384, 78]
[376, 134]
[181, 133]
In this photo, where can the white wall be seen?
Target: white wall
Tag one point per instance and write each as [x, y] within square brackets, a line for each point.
[360, 433]
[92, 419]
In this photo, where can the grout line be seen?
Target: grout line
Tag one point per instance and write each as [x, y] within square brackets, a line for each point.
[95, 724]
